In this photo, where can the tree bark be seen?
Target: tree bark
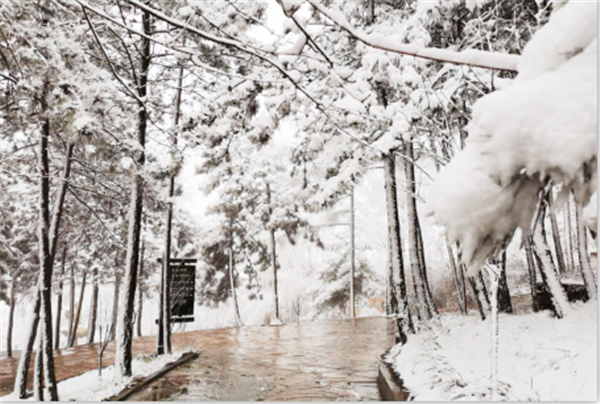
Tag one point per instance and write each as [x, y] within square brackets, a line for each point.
[115, 308]
[236, 308]
[166, 274]
[23, 368]
[495, 331]
[59, 203]
[503, 293]
[38, 371]
[160, 338]
[560, 258]
[93, 308]
[456, 277]
[480, 294]
[273, 257]
[398, 298]
[11, 316]
[45, 257]
[463, 283]
[584, 263]
[371, 18]
[421, 252]
[274, 267]
[24, 360]
[59, 300]
[71, 303]
[140, 292]
[569, 226]
[352, 256]
[531, 269]
[548, 270]
[126, 307]
[78, 315]
[424, 310]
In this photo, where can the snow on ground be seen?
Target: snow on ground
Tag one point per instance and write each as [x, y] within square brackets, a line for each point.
[540, 358]
[92, 387]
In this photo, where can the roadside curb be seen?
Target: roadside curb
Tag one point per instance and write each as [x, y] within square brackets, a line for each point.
[137, 385]
[389, 384]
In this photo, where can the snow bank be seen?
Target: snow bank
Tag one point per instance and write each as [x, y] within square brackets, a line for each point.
[540, 358]
[91, 387]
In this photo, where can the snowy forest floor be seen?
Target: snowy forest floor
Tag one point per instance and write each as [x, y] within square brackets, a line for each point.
[541, 358]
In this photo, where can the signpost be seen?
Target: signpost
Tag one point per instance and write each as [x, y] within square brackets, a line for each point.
[182, 287]
[183, 276]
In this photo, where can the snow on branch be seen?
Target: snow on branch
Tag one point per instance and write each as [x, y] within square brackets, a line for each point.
[469, 57]
[229, 43]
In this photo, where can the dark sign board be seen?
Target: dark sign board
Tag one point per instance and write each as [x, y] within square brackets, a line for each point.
[183, 281]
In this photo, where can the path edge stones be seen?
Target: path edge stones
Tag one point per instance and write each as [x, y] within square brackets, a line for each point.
[141, 383]
[389, 384]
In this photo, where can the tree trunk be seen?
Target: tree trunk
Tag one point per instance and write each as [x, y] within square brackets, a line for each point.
[45, 257]
[38, 371]
[140, 292]
[560, 258]
[23, 369]
[398, 298]
[11, 316]
[273, 257]
[165, 288]
[236, 308]
[126, 307]
[59, 300]
[503, 293]
[532, 272]
[569, 226]
[495, 280]
[71, 304]
[463, 283]
[584, 263]
[480, 294]
[371, 17]
[456, 277]
[274, 266]
[115, 308]
[93, 308]
[166, 274]
[352, 256]
[421, 252]
[60, 201]
[73, 339]
[424, 310]
[548, 270]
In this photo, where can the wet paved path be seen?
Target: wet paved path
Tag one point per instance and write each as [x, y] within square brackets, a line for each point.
[319, 361]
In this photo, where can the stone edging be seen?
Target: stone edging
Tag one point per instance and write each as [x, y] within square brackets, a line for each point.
[389, 384]
[139, 384]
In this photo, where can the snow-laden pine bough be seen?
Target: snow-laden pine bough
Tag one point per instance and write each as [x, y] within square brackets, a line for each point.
[538, 134]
